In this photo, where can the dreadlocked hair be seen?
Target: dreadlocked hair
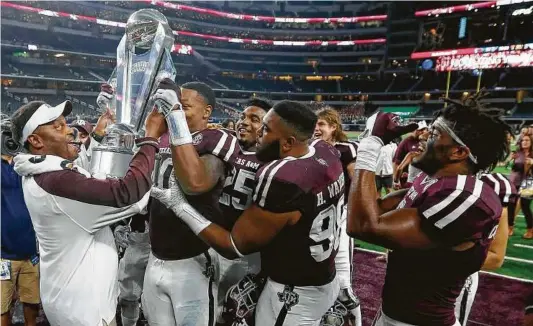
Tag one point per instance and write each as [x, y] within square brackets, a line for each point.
[481, 128]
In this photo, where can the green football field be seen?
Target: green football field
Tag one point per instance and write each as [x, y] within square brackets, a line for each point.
[519, 256]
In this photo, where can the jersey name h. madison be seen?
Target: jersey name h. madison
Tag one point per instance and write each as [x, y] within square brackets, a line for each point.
[239, 186]
[421, 286]
[171, 238]
[303, 254]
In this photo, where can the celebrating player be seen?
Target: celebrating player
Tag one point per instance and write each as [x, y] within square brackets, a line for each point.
[506, 191]
[440, 229]
[293, 220]
[179, 281]
[237, 193]
[329, 129]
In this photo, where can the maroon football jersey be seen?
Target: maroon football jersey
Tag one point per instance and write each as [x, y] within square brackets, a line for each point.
[238, 187]
[421, 286]
[303, 254]
[348, 151]
[505, 190]
[171, 238]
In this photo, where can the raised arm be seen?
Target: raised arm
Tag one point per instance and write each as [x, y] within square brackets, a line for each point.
[100, 203]
[195, 171]
[195, 174]
[103, 202]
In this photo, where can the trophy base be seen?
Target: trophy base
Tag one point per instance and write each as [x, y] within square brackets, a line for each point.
[110, 163]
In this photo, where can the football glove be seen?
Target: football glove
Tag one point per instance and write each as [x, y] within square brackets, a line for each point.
[105, 97]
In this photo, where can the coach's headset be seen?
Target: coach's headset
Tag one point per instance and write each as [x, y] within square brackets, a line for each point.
[9, 146]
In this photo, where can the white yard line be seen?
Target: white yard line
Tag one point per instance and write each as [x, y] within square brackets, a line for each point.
[527, 261]
[523, 246]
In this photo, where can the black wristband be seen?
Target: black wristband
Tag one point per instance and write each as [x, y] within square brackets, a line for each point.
[96, 137]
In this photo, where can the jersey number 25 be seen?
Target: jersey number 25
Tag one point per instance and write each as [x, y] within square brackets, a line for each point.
[243, 186]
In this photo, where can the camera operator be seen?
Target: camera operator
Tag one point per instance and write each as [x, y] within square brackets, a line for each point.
[20, 260]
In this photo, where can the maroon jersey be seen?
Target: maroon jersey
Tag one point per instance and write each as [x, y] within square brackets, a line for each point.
[171, 238]
[421, 286]
[303, 254]
[409, 144]
[348, 152]
[505, 190]
[239, 185]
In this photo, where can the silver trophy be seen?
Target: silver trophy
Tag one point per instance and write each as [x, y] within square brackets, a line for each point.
[143, 58]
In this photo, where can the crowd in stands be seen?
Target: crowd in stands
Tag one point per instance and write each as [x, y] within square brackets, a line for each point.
[200, 17]
[192, 23]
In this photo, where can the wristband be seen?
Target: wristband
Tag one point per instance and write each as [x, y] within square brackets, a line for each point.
[367, 153]
[235, 247]
[196, 222]
[178, 130]
[97, 137]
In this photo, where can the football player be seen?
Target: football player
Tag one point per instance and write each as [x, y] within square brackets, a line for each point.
[237, 193]
[179, 284]
[293, 220]
[329, 129]
[441, 228]
[135, 241]
[506, 191]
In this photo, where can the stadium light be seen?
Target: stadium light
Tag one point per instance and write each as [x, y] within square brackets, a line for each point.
[59, 55]
[105, 22]
[454, 9]
[183, 7]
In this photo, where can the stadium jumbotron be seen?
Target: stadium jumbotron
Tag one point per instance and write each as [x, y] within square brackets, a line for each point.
[400, 57]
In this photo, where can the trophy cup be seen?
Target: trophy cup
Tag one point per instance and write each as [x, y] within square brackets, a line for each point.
[143, 58]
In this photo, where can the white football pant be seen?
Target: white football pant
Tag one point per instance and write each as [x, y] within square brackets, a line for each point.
[294, 305]
[232, 271]
[344, 258]
[131, 270]
[181, 292]
[465, 300]
[344, 265]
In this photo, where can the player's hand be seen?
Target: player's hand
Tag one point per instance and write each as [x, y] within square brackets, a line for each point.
[387, 126]
[396, 185]
[352, 303]
[172, 198]
[122, 236]
[155, 125]
[167, 96]
[104, 120]
[105, 97]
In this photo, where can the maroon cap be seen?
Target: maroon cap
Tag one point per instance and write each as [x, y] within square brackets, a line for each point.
[85, 125]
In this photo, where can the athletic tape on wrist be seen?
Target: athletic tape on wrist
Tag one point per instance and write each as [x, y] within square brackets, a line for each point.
[196, 222]
[367, 153]
[178, 130]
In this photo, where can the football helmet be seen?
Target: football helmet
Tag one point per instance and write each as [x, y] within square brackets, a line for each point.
[335, 316]
[10, 146]
[241, 299]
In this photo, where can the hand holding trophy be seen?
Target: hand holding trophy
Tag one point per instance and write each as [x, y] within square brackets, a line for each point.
[143, 59]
